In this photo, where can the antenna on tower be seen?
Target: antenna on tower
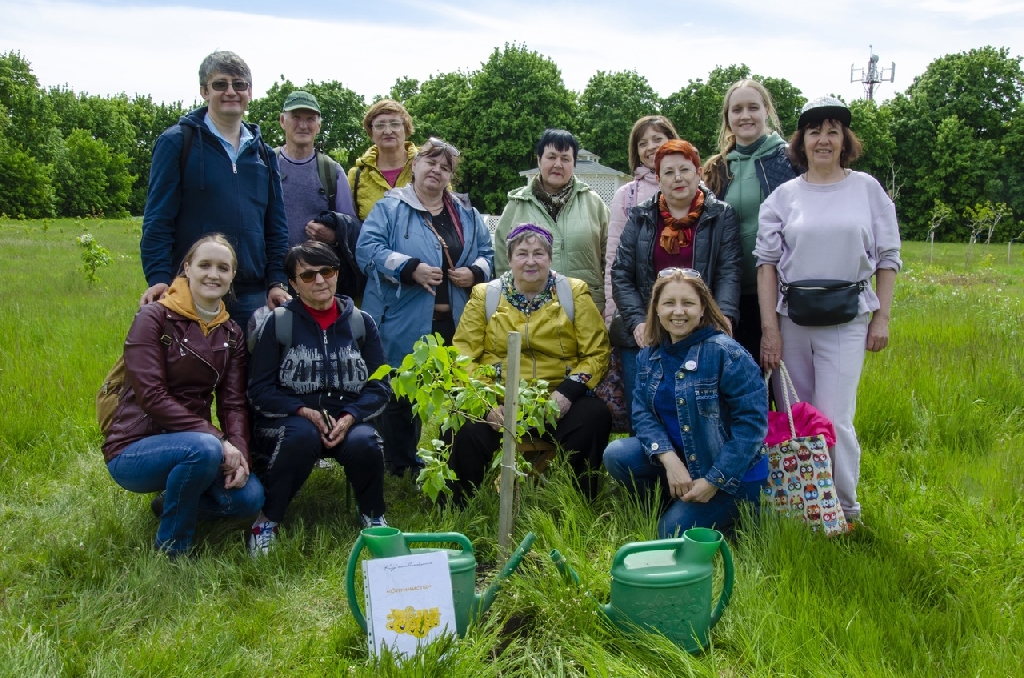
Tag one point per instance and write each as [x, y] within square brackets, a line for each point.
[873, 74]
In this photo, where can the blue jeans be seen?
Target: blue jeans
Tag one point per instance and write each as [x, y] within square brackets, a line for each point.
[243, 306]
[627, 463]
[628, 356]
[186, 467]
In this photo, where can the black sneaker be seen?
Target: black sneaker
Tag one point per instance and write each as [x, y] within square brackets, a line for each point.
[157, 505]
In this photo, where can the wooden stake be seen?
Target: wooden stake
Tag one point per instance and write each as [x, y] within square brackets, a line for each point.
[508, 444]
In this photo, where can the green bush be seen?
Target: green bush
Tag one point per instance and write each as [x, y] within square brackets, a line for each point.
[26, 190]
[91, 180]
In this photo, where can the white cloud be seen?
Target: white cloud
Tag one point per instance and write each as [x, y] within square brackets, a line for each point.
[104, 49]
[974, 10]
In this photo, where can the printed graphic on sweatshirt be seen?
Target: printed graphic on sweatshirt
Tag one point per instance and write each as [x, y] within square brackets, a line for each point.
[304, 370]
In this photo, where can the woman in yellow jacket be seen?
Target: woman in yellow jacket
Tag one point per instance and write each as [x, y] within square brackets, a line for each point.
[388, 163]
[565, 343]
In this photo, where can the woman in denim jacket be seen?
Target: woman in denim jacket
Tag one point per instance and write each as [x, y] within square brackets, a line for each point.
[701, 433]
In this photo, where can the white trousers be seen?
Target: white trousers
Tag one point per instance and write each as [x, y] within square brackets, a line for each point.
[825, 364]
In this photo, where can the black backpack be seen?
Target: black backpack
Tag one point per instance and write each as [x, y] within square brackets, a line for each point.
[283, 326]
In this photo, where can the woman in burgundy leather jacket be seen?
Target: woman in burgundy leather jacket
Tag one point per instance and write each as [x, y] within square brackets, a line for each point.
[180, 352]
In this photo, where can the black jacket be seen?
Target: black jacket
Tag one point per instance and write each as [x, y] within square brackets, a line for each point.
[717, 255]
[322, 369]
[351, 281]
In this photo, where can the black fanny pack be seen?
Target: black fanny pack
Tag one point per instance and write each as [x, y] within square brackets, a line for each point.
[819, 303]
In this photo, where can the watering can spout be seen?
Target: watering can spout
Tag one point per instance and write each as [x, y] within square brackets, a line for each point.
[570, 577]
[564, 568]
[511, 566]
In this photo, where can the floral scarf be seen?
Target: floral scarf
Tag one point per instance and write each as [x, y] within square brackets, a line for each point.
[679, 232]
[519, 300]
[553, 202]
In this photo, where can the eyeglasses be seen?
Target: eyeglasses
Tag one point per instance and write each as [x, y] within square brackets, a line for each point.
[685, 272]
[444, 146]
[393, 125]
[222, 85]
[326, 273]
[685, 174]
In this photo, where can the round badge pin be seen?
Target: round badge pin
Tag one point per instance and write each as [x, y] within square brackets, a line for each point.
[691, 365]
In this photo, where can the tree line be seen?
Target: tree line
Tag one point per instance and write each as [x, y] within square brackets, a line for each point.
[948, 148]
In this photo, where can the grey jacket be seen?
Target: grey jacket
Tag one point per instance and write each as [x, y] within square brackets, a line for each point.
[717, 255]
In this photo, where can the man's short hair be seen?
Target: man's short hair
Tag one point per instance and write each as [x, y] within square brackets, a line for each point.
[227, 63]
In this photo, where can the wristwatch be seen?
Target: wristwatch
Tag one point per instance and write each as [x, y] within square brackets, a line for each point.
[278, 285]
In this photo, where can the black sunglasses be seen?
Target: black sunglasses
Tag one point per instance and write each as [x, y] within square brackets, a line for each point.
[326, 273]
[222, 85]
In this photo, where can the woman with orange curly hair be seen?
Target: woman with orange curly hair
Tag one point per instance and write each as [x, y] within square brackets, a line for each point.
[683, 226]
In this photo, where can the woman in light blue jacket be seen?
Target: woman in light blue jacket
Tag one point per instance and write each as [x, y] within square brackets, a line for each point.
[422, 249]
[700, 411]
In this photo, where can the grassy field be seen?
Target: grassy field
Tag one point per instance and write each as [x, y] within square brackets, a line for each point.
[932, 585]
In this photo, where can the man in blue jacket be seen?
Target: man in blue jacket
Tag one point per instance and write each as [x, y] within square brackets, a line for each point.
[212, 173]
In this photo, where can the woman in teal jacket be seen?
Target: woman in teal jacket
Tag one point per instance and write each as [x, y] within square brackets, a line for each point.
[422, 249]
[750, 164]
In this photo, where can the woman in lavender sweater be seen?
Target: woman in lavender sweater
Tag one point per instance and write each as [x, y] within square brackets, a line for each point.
[830, 223]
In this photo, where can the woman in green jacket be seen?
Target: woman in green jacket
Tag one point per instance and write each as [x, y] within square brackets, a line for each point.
[388, 163]
[564, 206]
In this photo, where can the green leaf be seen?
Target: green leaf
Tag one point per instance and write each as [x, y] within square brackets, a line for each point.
[381, 372]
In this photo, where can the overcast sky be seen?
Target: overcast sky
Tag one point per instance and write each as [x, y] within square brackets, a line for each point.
[155, 47]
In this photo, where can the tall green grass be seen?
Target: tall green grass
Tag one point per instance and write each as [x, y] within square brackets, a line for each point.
[931, 585]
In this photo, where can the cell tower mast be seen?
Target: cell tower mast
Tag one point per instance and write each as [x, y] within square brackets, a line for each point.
[873, 74]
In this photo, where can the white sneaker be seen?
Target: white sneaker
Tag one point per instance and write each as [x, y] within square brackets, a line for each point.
[261, 537]
[374, 522]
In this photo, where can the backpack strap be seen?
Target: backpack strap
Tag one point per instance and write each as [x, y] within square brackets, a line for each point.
[283, 327]
[188, 136]
[327, 169]
[564, 291]
[355, 192]
[563, 288]
[358, 325]
[493, 297]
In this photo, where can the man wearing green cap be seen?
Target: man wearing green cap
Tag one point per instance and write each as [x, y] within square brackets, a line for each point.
[317, 199]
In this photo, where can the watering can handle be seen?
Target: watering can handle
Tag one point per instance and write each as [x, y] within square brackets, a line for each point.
[723, 599]
[439, 538]
[410, 538]
[645, 547]
[350, 583]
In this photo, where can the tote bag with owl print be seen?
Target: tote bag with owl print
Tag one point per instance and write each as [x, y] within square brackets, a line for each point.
[799, 466]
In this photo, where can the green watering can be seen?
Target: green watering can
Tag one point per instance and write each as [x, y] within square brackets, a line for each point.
[665, 586]
[387, 542]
